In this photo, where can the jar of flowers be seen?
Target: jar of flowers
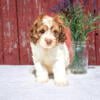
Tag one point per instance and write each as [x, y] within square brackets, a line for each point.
[80, 24]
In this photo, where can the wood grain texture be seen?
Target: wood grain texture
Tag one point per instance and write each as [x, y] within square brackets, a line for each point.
[10, 40]
[25, 17]
[91, 49]
[47, 5]
[91, 40]
[16, 18]
[97, 35]
[1, 37]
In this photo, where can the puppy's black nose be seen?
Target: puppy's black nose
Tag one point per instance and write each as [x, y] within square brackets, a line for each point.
[48, 41]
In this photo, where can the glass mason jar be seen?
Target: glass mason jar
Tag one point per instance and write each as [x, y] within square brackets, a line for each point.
[79, 63]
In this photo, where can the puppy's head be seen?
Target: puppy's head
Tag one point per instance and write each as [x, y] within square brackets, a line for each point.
[47, 31]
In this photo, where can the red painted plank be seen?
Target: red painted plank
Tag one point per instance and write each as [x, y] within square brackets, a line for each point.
[25, 19]
[52, 3]
[91, 49]
[1, 37]
[36, 9]
[10, 32]
[47, 5]
[97, 35]
[43, 6]
[91, 42]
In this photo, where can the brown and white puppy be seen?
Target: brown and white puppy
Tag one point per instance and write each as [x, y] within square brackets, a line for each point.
[50, 53]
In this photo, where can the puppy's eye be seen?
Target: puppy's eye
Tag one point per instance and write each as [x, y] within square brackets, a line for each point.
[55, 31]
[42, 31]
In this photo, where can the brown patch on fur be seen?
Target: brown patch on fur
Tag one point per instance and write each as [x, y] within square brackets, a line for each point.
[55, 28]
[62, 35]
[42, 29]
[38, 28]
[56, 31]
[34, 34]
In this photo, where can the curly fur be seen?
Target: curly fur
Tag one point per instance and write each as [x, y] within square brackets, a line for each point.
[35, 36]
[49, 50]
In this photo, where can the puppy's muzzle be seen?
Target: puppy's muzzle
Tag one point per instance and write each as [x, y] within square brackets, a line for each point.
[48, 41]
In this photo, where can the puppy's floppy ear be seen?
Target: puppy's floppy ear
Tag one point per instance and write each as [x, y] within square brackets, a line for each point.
[34, 36]
[33, 33]
[62, 34]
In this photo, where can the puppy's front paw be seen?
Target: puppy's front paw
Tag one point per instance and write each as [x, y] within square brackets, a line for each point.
[42, 79]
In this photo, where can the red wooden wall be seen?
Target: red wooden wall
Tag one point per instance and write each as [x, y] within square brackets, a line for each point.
[16, 17]
[97, 36]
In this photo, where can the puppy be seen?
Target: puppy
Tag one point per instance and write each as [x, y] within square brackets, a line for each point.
[49, 50]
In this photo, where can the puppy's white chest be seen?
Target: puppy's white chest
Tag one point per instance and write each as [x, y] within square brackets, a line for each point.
[47, 58]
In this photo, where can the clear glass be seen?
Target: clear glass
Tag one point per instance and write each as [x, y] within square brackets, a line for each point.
[80, 58]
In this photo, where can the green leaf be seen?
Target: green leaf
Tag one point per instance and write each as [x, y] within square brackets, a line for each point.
[79, 23]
